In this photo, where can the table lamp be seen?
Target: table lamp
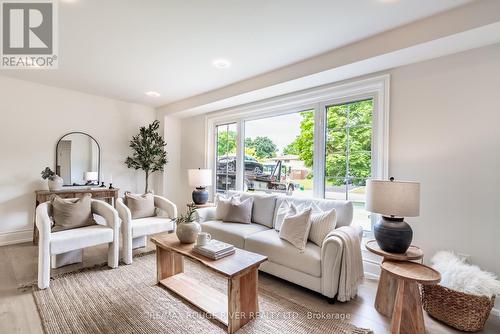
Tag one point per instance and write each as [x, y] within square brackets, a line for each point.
[200, 179]
[393, 200]
[90, 177]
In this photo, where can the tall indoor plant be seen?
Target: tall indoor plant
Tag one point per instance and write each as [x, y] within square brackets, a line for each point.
[148, 151]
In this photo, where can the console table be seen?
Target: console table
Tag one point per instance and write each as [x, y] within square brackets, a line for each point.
[105, 194]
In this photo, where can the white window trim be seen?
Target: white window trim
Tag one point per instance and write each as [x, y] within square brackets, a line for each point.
[315, 98]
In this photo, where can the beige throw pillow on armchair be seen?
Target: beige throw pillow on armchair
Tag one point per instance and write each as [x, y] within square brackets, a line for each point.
[69, 213]
[140, 206]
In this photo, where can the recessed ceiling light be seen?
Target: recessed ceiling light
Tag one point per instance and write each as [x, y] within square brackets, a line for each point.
[221, 63]
[153, 94]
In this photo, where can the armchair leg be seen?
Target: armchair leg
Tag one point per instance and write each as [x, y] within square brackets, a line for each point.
[43, 266]
[113, 254]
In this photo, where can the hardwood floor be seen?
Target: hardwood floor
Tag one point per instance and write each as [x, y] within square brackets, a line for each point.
[18, 313]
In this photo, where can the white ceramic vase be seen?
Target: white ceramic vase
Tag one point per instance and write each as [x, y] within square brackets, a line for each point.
[187, 232]
[56, 183]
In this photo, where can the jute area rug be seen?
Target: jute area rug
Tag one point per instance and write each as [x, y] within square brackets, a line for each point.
[128, 300]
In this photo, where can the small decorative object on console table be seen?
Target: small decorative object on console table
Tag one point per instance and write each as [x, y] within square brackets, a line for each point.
[200, 178]
[393, 200]
[388, 285]
[187, 228]
[407, 316]
[54, 181]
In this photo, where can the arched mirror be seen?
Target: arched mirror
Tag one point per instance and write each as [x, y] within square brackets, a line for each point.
[78, 159]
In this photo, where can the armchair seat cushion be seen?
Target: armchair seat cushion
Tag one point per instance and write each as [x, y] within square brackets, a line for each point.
[282, 252]
[233, 233]
[151, 225]
[77, 238]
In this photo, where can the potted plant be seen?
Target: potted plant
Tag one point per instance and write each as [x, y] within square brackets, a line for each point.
[187, 228]
[148, 151]
[54, 181]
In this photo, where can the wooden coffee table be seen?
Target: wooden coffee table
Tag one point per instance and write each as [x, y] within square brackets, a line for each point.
[235, 309]
[408, 317]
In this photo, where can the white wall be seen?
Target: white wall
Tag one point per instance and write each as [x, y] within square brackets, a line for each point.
[445, 133]
[32, 118]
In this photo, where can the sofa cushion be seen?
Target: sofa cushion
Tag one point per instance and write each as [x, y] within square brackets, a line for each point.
[263, 207]
[232, 233]
[284, 253]
[151, 225]
[344, 209]
[77, 238]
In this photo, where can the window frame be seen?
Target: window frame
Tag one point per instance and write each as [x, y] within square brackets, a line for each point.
[317, 99]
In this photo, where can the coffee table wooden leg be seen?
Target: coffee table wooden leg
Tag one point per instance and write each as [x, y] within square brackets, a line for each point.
[243, 303]
[407, 317]
[386, 293]
[168, 263]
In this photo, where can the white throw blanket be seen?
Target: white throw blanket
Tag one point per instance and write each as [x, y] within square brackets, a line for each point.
[351, 265]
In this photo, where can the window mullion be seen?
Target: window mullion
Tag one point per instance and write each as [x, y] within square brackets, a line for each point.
[319, 158]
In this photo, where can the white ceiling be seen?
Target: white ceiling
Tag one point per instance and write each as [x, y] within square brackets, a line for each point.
[124, 48]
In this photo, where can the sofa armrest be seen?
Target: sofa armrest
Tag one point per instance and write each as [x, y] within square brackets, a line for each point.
[331, 259]
[165, 205]
[331, 256]
[124, 214]
[205, 214]
[109, 214]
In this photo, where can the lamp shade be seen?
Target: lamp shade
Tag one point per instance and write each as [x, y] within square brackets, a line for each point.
[200, 177]
[90, 176]
[393, 198]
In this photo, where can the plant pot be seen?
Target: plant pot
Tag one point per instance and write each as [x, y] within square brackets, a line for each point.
[56, 183]
[187, 232]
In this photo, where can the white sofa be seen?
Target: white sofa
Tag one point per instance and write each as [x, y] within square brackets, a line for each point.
[135, 231]
[317, 268]
[56, 249]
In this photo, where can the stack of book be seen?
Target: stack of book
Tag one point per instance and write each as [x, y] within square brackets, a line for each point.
[215, 249]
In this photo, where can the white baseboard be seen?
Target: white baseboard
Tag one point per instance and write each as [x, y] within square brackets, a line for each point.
[16, 237]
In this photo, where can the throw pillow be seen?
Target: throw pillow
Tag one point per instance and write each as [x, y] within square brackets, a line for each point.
[295, 228]
[285, 209]
[71, 212]
[222, 205]
[322, 223]
[140, 206]
[239, 211]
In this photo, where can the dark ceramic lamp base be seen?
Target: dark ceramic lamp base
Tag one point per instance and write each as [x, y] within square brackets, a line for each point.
[200, 196]
[393, 235]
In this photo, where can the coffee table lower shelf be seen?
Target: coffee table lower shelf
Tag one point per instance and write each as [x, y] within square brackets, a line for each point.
[201, 295]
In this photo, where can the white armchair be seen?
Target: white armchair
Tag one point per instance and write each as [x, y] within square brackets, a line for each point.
[135, 231]
[56, 249]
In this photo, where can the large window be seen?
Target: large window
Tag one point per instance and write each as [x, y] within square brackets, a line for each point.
[322, 143]
[349, 154]
[279, 154]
